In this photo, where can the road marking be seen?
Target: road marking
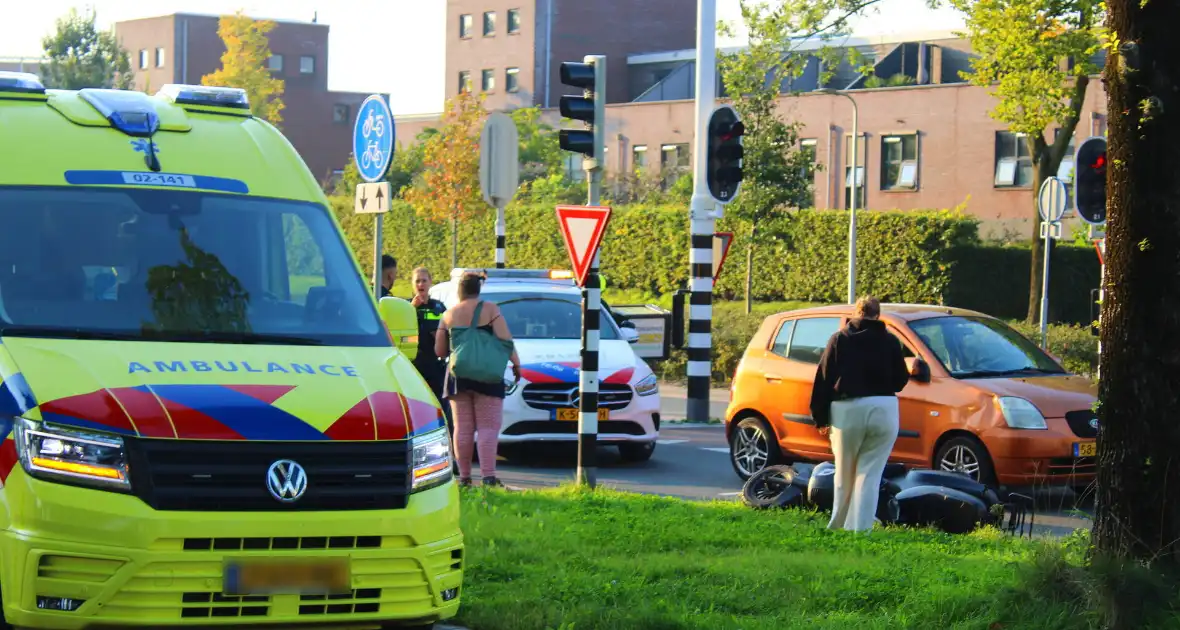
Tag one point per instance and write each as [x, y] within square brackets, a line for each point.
[716, 449]
[667, 442]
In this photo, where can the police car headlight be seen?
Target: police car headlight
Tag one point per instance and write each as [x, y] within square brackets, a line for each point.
[510, 386]
[432, 460]
[647, 386]
[69, 455]
[1020, 414]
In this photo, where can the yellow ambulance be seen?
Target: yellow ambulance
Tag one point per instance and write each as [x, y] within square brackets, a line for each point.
[203, 417]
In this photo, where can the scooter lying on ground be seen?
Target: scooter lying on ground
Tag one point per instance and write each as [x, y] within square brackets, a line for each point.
[952, 502]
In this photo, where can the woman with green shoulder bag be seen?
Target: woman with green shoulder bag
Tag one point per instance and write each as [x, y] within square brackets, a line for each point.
[476, 338]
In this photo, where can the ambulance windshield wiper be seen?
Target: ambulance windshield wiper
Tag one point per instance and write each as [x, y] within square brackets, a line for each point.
[215, 336]
[18, 330]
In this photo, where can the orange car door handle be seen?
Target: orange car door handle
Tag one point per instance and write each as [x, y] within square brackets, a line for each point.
[774, 378]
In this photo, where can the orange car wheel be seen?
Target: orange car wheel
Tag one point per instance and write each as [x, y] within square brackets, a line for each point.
[753, 446]
[968, 456]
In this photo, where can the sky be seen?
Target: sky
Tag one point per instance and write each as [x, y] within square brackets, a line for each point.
[389, 46]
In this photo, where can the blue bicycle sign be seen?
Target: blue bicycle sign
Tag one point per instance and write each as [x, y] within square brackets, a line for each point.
[372, 139]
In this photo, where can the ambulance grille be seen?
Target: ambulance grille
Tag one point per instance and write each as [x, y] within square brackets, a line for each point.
[232, 476]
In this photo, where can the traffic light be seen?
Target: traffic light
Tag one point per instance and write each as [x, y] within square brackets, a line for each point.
[724, 160]
[1090, 180]
[590, 76]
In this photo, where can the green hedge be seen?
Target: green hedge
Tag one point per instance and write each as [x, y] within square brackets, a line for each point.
[995, 280]
[913, 256]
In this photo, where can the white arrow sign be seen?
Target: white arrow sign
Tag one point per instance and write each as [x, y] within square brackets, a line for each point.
[372, 198]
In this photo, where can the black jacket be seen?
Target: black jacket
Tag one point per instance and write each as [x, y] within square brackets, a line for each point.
[863, 359]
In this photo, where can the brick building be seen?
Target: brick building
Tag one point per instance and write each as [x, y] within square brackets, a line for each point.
[184, 47]
[926, 137]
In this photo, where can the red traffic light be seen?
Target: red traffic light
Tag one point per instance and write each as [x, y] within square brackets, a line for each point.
[1099, 162]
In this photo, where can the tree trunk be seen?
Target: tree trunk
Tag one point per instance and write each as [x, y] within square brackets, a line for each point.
[454, 243]
[1042, 170]
[1137, 516]
[750, 271]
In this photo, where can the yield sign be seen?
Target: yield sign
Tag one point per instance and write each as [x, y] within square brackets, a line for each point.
[582, 227]
[721, 243]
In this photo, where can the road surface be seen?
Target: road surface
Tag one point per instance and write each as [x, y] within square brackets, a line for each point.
[692, 462]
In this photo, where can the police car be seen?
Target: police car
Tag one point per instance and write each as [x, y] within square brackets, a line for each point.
[543, 309]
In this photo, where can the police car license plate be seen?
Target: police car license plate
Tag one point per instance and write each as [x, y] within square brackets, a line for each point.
[571, 415]
[1085, 449]
[266, 576]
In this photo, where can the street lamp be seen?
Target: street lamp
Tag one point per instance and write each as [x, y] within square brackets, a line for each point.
[855, 194]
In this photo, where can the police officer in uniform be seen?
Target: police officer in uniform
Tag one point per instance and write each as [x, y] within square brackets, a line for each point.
[430, 312]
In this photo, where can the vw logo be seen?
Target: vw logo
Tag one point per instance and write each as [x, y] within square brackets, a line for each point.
[286, 480]
[1094, 423]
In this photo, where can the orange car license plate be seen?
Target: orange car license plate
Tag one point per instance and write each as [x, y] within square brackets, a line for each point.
[270, 576]
[1085, 449]
[571, 415]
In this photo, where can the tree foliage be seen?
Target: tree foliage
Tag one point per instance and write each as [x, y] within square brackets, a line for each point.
[448, 189]
[81, 56]
[245, 65]
[777, 175]
[1037, 57]
[540, 154]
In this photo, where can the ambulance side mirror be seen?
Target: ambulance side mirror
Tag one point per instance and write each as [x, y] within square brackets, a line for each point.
[401, 320]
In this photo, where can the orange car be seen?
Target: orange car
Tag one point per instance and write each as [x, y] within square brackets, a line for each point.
[982, 399]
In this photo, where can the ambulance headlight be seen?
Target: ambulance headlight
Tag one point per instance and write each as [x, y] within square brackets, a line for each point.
[67, 455]
[431, 460]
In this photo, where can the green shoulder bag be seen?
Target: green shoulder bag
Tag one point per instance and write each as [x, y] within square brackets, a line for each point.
[478, 354]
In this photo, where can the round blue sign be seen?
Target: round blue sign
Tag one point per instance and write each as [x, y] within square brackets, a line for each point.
[372, 139]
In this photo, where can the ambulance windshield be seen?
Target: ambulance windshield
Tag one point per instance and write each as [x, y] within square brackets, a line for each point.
[141, 264]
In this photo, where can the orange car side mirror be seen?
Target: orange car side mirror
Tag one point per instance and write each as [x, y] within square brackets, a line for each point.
[917, 369]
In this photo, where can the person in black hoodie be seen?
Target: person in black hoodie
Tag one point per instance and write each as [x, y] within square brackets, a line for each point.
[854, 401]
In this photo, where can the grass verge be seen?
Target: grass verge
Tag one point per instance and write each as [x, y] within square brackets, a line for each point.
[570, 559]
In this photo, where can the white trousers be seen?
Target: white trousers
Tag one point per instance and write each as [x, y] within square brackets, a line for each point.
[863, 433]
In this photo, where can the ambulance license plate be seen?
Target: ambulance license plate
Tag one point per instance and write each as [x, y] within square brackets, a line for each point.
[1085, 449]
[265, 576]
[571, 415]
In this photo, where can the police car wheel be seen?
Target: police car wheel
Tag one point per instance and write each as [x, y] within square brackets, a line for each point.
[637, 452]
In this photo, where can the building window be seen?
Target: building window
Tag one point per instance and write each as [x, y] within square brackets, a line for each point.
[159, 57]
[487, 81]
[1065, 170]
[1098, 124]
[341, 113]
[275, 63]
[1014, 167]
[464, 81]
[513, 21]
[512, 79]
[808, 147]
[862, 148]
[899, 162]
[306, 64]
[465, 23]
[143, 59]
[675, 160]
[489, 23]
[639, 157]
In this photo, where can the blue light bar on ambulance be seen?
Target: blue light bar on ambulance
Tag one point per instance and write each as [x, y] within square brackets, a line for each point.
[20, 82]
[233, 98]
[129, 112]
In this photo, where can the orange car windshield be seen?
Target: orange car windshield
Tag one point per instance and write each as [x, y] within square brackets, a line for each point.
[978, 347]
